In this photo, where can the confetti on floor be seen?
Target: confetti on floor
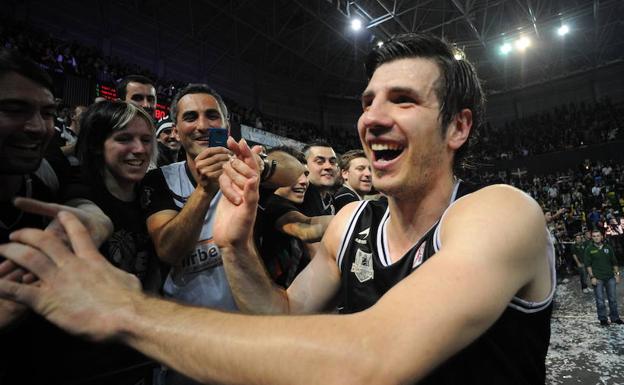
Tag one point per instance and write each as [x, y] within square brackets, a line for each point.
[581, 351]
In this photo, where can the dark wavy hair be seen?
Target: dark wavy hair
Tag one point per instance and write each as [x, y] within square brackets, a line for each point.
[458, 87]
[97, 124]
[12, 61]
[122, 86]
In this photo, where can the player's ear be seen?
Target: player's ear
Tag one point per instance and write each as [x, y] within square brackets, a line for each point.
[458, 131]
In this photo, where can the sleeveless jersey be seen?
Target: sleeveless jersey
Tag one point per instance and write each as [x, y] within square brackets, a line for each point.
[200, 280]
[511, 351]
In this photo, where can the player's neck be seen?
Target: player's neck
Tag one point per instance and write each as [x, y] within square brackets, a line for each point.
[411, 218]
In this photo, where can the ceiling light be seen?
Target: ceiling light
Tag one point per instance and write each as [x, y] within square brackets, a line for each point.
[563, 30]
[356, 24]
[505, 48]
[523, 43]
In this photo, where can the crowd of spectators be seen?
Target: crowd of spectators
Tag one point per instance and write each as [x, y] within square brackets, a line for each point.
[578, 200]
[563, 128]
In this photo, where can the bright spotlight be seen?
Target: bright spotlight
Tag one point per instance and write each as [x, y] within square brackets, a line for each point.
[523, 43]
[356, 24]
[505, 48]
[379, 43]
[563, 30]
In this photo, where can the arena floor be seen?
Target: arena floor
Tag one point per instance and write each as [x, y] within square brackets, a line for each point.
[581, 351]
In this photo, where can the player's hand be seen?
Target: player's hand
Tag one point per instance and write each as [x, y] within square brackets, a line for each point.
[78, 291]
[209, 166]
[239, 183]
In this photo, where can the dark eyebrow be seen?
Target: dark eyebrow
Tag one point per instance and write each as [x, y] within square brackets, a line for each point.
[189, 114]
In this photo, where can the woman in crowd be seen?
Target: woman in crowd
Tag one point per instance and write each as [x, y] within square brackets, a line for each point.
[115, 147]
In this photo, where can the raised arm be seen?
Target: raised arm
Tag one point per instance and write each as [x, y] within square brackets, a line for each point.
[175, 233]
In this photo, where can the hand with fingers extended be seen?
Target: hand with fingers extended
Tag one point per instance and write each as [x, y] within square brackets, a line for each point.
[78, 291]
[209, 166]
[239, 182]
[99, 225]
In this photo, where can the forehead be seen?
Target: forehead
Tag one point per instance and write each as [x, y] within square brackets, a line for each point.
[419, 74]
[198, 102]
[139, 88]
[17, 87]
[318, 151]
[356, 162]
[137, 126]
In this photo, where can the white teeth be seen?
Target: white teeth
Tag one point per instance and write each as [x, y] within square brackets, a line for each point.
[385, 146]
[134, 162]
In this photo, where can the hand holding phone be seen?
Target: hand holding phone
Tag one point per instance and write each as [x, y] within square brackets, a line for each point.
[217, 137]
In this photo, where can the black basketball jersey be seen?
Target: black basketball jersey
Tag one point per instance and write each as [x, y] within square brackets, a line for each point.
[512, 351]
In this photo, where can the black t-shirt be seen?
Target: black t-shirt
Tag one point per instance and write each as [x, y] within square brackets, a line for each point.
[284, 256]
[129, 247]
[314, 205]
[343, 197]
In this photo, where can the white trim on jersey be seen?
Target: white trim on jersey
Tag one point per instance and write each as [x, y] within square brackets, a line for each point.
[436, 234]
[382, 240]
[349, 231]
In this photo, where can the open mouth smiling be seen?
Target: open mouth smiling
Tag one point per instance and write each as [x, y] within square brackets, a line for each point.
[386, 152]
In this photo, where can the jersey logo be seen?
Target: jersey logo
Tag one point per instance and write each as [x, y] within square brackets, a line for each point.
[363, 266]
[362, 235]
[418, 258]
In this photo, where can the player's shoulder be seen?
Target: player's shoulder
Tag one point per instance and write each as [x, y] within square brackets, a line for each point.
[497, 205]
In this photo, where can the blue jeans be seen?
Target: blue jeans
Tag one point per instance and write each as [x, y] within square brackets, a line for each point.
[601, 309]
[583, 276]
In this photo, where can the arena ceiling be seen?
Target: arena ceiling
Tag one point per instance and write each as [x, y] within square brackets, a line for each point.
[310, 41]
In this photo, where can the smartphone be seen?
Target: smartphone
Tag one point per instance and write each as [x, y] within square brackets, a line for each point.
[217, 137]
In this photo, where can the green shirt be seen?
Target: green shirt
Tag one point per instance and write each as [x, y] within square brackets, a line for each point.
[578, 249]
[601, 260]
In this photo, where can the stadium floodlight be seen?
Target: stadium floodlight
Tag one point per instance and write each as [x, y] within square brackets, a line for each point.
[505, 48]
[523, 43]
[563, 30]
[356, 24]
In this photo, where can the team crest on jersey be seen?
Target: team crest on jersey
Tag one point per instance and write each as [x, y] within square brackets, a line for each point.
[363, 266]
